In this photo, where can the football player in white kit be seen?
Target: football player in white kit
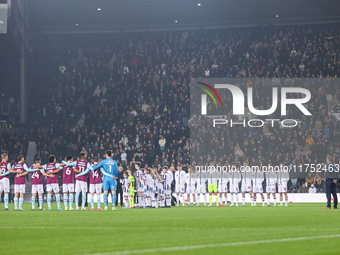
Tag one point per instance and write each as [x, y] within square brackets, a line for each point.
[201, 179]
[126, 189]
[282, 179]
[234, 180]
[166, 181]
[257, 184]
[139, 184]
[191, 182]
[147, 187]
[223, 187]
[180, 178]
[247, 177]
[160, 190]
[271, 181]
[154, 197]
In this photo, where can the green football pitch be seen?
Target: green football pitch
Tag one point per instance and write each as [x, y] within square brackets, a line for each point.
[296, 229]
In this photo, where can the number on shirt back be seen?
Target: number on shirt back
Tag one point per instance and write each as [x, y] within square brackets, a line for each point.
[35, 175]
[110, 169]
[68, 171]
[95, 174]
[81, 169]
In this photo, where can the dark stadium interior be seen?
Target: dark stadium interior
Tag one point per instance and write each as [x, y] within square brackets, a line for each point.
[115, 75]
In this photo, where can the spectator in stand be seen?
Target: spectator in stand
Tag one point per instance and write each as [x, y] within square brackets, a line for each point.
[303, 189]
[312, 189]
[310, 180]
[162, 143]
[319, 183]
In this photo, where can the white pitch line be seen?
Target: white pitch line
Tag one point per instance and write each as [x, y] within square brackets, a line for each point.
[143, 228]
[204, 246]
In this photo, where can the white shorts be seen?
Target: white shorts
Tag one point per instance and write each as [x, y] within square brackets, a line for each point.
[140, 189]
[4, 185]
[96, 188]
[201, 188]
[81, 186]
[222, 188]
[258, 189]
[19, 188]
[179, 188]
[37, 188]
[282, 187]
[234, 188]
[271, 189]
[246, 187]
[148, 193]
[53, 186]
[69, 187]
[167, 192]
[191, 189]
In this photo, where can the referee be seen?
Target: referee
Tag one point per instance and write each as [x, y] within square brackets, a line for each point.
[331, 183]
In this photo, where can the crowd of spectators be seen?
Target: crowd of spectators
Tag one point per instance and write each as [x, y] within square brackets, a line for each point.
[134, 98]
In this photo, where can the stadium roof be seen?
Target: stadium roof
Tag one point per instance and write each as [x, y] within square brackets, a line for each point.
[102, 16]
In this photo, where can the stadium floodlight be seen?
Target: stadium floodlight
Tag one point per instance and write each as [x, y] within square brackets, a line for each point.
[99, 9]
[199, 4]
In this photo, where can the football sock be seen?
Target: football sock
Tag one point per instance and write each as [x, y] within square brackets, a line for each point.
[83, 199]
[65, 200]
[92, 201]
[70, 200]
[21, 200]
[57, 196]
[49, 198]
[40, 201]
[114, 197]
[6, 200]
[77, 199]
[33, 202]
[15, 202]
[105, 199]
[98, 201]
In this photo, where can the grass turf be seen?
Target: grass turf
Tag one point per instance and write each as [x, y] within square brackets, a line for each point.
[135, 230]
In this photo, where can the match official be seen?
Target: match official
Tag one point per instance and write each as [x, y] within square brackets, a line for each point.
[331, 181]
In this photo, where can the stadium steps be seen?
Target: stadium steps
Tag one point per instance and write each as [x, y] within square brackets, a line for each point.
[32, 150]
